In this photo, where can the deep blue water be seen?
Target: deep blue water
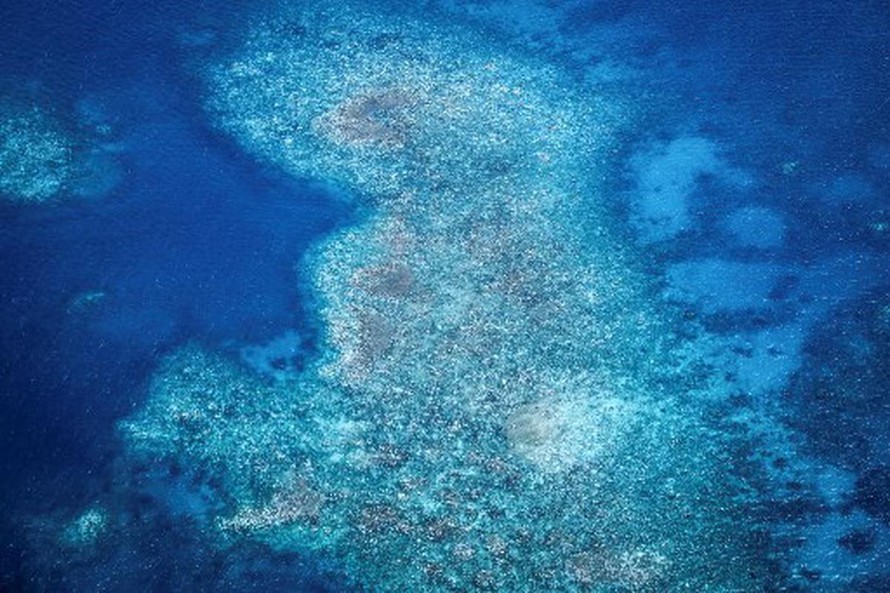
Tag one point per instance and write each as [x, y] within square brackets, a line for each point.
[198, 242]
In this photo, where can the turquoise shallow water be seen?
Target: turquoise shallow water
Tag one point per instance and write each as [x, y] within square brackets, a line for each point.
[515, 296]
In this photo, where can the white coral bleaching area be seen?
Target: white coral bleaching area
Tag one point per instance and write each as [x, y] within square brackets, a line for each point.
[571, 427]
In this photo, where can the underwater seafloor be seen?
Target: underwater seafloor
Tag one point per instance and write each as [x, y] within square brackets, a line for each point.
[518, 295]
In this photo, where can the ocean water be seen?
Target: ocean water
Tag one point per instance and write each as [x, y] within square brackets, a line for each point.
[517, 295]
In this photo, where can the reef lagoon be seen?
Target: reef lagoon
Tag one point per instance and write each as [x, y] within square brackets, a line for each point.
[450, 296]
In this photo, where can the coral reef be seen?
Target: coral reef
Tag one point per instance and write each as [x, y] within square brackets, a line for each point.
[45, 155]
[36, 155]
[490, 410]
[86, 529]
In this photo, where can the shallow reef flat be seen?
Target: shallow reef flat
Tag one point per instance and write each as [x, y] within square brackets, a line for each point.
[496, 405]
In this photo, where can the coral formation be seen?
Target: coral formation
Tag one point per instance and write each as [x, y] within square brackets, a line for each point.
[36, 155]
[489, 411]
[44, 156]
[85, 530]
